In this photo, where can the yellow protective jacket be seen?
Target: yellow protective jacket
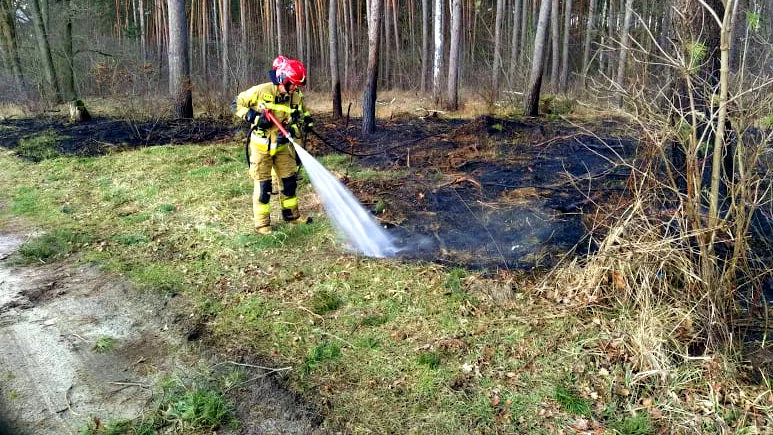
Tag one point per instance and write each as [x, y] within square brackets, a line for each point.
[282, 106]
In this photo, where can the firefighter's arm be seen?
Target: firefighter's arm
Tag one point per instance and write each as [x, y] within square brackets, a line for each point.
[242, 105]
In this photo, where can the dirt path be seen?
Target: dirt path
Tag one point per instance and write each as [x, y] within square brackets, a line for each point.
[53, 377]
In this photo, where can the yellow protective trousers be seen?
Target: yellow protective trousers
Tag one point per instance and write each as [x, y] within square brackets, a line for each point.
[284, 164]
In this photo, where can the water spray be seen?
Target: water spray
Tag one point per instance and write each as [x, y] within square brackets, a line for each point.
[358, 227]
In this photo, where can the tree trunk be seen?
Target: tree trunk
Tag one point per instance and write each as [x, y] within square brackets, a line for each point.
[555, 56]
[438, 57]
[386, 49]
[280, 31]
[726, 32]
[243, 48]
[621, 61]
[371, 85]
[68, 74]
[515, 41]
[455, 55]
[334, 74]
[538, 60]
[143, 37]
[179, 67]
[609, 58]
[425, 5]
[299, 20]
[44, 49]
[590, 30]
[8, 41]
[497, 46]
[225, 30]
[564, 80]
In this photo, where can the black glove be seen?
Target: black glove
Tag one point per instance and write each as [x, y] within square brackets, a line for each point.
[295, 116]
[250, 116]
[308, 123]
[263, 122]
[281, 139]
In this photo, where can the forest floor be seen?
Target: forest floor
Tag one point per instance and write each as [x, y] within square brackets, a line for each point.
[494, 202]
[485, 193]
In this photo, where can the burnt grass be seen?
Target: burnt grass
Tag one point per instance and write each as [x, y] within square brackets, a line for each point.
[486, 193]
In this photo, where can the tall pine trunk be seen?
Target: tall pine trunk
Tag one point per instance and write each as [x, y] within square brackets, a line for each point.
[590, 30]
[564, 80]
[425, 6]
[8, 41]
[438, 57]
[44, 50]
[455, 54]
[531, 107]
[179, 67]
[371, 84]
[621, 62]
[334, 74]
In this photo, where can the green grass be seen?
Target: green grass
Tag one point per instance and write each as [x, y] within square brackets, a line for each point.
[40, 147]
[568, 398]
[638, 424]
[104, 344]
[324, 301]
[391, 346]
[51, 246]
[429, 359]
[200, 408]
[320, 354]
[197, 407]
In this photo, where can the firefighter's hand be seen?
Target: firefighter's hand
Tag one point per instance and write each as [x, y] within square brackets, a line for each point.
[251, 115]
[263, 122]
[281, 139]
[308, 123]
[295, 116]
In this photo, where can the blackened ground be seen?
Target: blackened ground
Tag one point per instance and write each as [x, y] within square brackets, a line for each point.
[102, 135]
[487, 193]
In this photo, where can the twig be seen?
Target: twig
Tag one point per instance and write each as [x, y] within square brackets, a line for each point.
[311, 312]
[129, 384]
[258, 367]
[263, 375]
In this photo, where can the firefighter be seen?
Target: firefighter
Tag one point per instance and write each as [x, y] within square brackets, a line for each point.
[269, 149]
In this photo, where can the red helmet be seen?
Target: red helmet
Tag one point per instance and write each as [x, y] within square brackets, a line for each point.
[291, 71]
[279, 61]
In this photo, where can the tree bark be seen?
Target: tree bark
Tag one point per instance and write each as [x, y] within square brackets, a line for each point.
[497, 46]
[68, 74]
[538, 60]
[334, 74]
[8, 41]
[455, 54]
[44, 50]
[280, 31]
[425, 6]
[590, 30]
[564, 80]
[179, 67]
[371, 85]
[555, 56]
[516, 39]
[621, 61]
[438, 57]
[225, 30]
[726, 31]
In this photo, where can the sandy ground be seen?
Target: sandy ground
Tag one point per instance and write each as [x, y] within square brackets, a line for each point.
[52, 378]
